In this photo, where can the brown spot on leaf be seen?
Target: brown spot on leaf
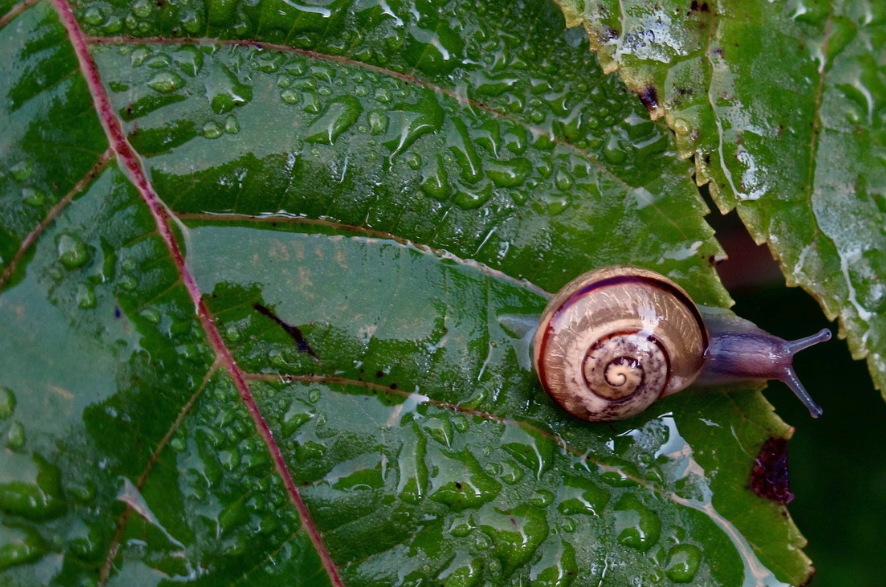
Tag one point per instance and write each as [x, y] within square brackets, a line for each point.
[769, 475]
[649, 97]
[699, 6]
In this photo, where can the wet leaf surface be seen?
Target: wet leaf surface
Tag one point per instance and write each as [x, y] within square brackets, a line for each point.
[263, 271]
[781, 107]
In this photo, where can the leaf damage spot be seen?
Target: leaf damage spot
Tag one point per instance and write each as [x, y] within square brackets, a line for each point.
[769, 475]
[699, 6]
[301, 344]
[649, 97]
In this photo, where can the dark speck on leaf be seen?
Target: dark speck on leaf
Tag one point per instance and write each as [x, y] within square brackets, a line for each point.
[117, 312]
[293, 331]
[769, 475]
[393, 386]
[649, 97]
[458, 485]
[379, 374]
[699, 6]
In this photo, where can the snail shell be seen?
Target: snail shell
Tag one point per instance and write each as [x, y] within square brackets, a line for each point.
[614, 340]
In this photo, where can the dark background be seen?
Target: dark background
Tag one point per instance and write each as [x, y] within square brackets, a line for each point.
[837, 462]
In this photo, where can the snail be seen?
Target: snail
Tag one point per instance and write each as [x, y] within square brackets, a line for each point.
[614, 340]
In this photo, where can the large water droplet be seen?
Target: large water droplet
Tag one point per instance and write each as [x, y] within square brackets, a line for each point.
[225, 91]
[466, 156]
[337, 117]
[636, 525]
[683, 562]
[581, 496]
[85, 541]
[31, 488]
[22, 170]
[72, 251]
[15, 436]
[469, 199]
[165, 82]
[85, 296]
[7, 403]
[461, 482]
[20, 545]
[408, 122]
[212, 130]
[614, 151]
[509, 174]
[32, 196]
[435, 182]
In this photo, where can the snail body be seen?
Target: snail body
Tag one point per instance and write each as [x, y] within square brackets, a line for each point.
[615, 340]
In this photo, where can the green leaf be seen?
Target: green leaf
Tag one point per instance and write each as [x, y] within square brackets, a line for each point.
[266, 271]
[781, 107]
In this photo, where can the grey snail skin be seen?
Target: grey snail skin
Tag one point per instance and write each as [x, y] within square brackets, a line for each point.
[616, 339]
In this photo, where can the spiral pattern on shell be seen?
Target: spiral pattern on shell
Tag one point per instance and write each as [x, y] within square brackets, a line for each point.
[615, 340]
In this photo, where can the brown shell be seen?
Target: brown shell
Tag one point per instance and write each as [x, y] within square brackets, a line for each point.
[614, 340]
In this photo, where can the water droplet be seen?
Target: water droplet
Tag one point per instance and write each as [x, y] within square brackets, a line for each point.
[85, 542]
[232, 333]
[378, 123]
[84, 491]
[409, 122]
[509, 174]
[7, 403]
[191, 21]
[15, 436]
[20, 545]
[290, 95]
[681, 127]
[36, 492]
[383, 95]
[232, 126]
[72, 251]
[516, 535]
[189, 60]
[165, 82]
[473, 199]
[563, 180]
[683, 562]
[128, 283]
[542, 498]
[439, 428]
[617, 479]
[413, 160]
[465, 154]
[225, 91]
[636, 525]
[158, 61]
[212, 130]
[337, 117]
[435, 182]
[32, 196]
[113, 25]
[581, 496]
[93, 16]
[461, 482]
[614, 152]
[22, 170]
[152, 315]
[85, 296]
[434, 49]
[311, 102]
